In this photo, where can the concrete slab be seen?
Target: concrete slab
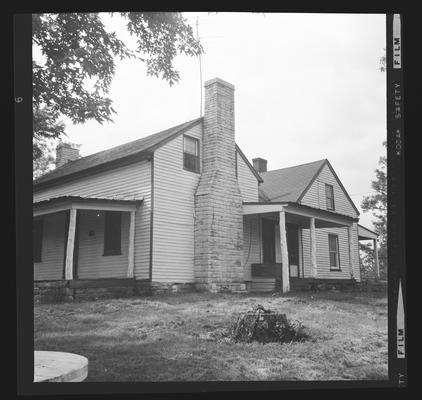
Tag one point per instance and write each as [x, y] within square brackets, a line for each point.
[56, 366]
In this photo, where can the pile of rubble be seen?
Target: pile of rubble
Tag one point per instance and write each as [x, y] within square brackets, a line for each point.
[266, 326]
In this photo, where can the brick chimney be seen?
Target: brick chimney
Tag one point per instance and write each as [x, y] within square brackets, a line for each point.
[259, 164]
[218, 201]
[65, 153]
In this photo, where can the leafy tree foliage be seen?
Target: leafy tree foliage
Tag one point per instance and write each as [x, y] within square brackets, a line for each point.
[78, 63]
[43, 156]
[377, 204]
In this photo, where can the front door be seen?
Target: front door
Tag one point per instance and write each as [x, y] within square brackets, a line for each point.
[293, 248]
[268, 240]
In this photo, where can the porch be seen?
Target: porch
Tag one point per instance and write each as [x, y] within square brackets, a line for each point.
[295, 246]
[84, 238]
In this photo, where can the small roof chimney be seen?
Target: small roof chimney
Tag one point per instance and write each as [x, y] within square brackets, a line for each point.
[260, 164]
[66, 152]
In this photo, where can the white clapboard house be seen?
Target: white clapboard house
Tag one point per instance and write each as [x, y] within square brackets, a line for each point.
[184, 208]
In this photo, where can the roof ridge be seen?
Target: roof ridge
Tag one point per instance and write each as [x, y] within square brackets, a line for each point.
[295, 166]
[136, 140]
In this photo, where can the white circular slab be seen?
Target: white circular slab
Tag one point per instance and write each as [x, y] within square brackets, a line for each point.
[56, 366]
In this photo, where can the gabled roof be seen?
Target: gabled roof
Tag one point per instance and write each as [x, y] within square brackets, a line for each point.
[288, 184]
[291, 184]
[124, 151]
[245, 159]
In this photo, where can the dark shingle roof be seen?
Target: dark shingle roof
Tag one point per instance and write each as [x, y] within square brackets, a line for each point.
[288, 184]
[142, 145]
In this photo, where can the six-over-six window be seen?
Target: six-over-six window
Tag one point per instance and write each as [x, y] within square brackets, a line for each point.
[190, 153]
[333, 252]
[329, 196]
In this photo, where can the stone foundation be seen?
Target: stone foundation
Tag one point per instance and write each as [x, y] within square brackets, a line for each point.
[232, 287]
[69, 291]
[62, 291]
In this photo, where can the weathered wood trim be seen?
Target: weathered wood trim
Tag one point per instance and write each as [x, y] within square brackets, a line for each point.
[313, 248]
[70, 245]
[284, 253]
[131, 250]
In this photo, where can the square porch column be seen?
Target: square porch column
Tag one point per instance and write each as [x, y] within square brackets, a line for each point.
[131, 253]
[313, 248]
[351, 251]
[68, 272]
[284, 254]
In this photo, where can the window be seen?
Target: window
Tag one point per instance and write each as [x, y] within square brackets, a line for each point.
[334, 252]
[112, 233]
[329, 195]
[190, 154]
[37, 233]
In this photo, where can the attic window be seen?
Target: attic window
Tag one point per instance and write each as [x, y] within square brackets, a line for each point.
[112, 233]
[190, 154]
[329, 195]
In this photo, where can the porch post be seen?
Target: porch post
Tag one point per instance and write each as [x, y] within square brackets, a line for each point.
[284, 254]
[131, 253]
[313, 248]
[68, 273]
[377, 266]
[351, 251]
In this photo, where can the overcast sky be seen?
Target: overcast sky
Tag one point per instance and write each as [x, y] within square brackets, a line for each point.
[307, 87]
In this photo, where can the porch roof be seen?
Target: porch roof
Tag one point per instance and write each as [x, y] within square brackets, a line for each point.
[366, 234]
[61, 203]
[299, 214]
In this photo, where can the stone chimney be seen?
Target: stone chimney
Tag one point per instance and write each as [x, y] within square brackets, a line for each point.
[259, 164]
[65, 153]
[218, 201]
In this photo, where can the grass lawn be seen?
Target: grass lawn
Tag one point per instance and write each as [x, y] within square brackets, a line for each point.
[170, 337]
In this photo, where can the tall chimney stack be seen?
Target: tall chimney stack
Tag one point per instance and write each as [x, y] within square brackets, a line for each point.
[259, 164]
[65, 152]
[218, 201]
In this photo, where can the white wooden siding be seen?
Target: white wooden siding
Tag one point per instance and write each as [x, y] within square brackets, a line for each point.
[91, 262]
[315, 196]
[52, 252]
[132, 180]
[323, 261]
[173, 220]
[251, 244]
[247, 180]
